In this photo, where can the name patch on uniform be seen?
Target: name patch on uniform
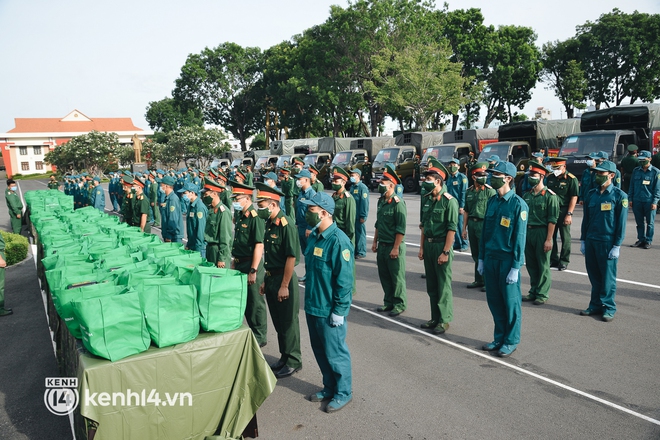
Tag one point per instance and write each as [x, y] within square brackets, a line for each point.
[505, 221]
[624, 203]
[318, 252]
[346, 254]
[523, 216]
[605, 206]
[200, 214]
[365, 195]
[273, 236]
[455, 182]
[171, 208]
[646, 182]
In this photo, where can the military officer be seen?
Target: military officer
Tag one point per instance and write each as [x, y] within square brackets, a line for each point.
[628, 165]
[329, 259]
[154, 207]
[140, 207]
[439, 225]
[304, 184]
[524, 184]
[317, 185]
[280, 286]
[247, 251]
[644, 194]
[225, 195]
[288, 188]
[171, 220]
[53, 184]
[14, 206]
[501, 254]
[127, 200]
[476, 199]
[196, 223]
[4, 311]
[98, 195]
[456, 185]
[565, 186]
[388, 244]
[270, 179]
[603, 230]
[543, 213]
[360, 194]
[219, 232]
[345, 211]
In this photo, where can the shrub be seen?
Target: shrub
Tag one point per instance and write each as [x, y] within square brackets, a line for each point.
[16, 248]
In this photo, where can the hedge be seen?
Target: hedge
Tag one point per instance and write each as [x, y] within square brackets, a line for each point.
[16, 248]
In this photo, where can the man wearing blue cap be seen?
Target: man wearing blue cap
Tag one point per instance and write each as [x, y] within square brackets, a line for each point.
[171, 220]
[457, 185]
[328, 295]
[501, 255]
[360, 194]
[270, 179]
[587, 182]
[603, 156]
[305, 192]
[644, 194]
[98, 195]
[603, 230]
[196, 223]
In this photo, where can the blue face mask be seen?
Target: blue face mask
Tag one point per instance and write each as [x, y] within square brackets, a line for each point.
[590, 163]
[354, 179]
[237, 206]
[185, 197]
[13, 188]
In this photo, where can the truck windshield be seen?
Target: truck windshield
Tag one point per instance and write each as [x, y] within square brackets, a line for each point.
[281, 161]
[237, 163]
[497, 149]
[585, 143]
[442, 153]
[310, 159]
[342, 158]
[262, 161]
[387, 155]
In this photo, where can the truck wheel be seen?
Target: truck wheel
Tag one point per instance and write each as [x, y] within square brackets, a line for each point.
[409, 185]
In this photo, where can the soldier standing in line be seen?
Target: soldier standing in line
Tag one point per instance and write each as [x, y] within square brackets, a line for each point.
[98, 195]
[366, 172]
[565, 186]
[14, 206]
[140, 207]
[586, 183]
[628, 165]
[288, 188]
[439, 225]
[388, 244]
[360, 194]
[280, 286]
[543, 213]
[196, 224]
[456, 185]
[171, 220]
[317, 185]
[476, 199]
[501, 255]
[247, 251]
[53, 184]
[127, 201]
[154, 207]
[644, 196]
[219, 232]
[305, 192]
[270, 179]
[344, 214]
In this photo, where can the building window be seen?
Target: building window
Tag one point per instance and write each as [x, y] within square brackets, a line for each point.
[25, 166]
[37, 151]
[39, 165]
[23, 151]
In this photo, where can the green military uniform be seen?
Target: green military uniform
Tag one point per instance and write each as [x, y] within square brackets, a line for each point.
[543, 210]
[439, 217]
[628, 165]
[15, 208]
[391, 218]
[476, 199]
[53, 184]
[288, 186]
[366, 174]
[565, 187]
[317, 186]
[140, 206]
[345, 208]
[3, 310]
[219, 235]
[153, 203]
[248, 232]
[280, 243]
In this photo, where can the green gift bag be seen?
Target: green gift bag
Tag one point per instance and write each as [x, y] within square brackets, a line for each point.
[171, 312]
[63, 301]
[113, 327]
[222, 295]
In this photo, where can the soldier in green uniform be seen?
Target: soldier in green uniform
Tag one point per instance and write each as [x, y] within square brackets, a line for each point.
[247, 251]
[456, 184]
[603, 230]
[153, 199]
[367, 172]
[196, 224]
[171, 220]
[439, 225]
[219, 232]
[345, 209]
[476, 199]
[127, 201]
[98, 195]
[501, 255]
[140, 207]
[360, 194]
[270, 179]
[225, 194]
[565, 186]
[317, 185]
[249, 176]
[14, 206]
[388, 244]
[329, 259]
[53, 184]
[288, 188]
[543, 213]
[280, 286]
[628, 165]
[4, 311]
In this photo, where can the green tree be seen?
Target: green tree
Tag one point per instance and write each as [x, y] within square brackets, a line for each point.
[196, 143]
[125, 155]
[259, 142]
[224, 83]
[563, 73]
[167, 115]
[93, 151]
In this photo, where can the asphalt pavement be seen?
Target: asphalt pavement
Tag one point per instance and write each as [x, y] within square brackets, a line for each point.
[571, 376]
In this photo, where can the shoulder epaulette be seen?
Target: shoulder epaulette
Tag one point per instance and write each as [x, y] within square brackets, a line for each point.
[448, 196]
[284, 221]
[488, 186]
[396, 199]
[551, 191]
[571, 175]
[222, 208]
[347, 194]
[253, 213]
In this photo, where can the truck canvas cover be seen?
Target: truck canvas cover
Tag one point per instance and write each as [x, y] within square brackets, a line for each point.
[546, 133]
[623, 117]
[469, 136]
[289, 146]
[333, 145]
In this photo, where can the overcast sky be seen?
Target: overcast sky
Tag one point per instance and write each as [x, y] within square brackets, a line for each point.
[111, 58]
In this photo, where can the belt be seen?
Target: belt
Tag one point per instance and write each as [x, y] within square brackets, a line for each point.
[211, 244]
[475, 219]
[274, 272]
[436, 240]
[242, 260]
[385, 244]
[537, 226]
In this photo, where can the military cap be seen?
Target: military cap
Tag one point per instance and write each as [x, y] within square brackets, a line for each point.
[313, 170]
[265, 192]
[128, 180]
[632, 147]
[160, 171]
[285, 170]
[340, 173]
[138, 182]
[644, 154]
[505, 168]
[188, 187]
[558, 160]
[435, 167]
[479, 167]
[594, 155]
[323, 201]
[210, 185]
[454, 160]
[220, 176]
[537, 168]
[270, 176]
[167, 180]
[303, 173]
[606, 166]
[494, 158]
[239, 172]
[389, 173]
[604, 155]
[537, 154]
[357, 171]
[96, 178]
[240, 189]
[297, 159]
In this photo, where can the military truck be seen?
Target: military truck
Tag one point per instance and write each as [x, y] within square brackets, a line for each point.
[265, 163]
[332, 145]
[360, 149]
[294, 146]
[322, 163]
[546, 136]
[285, 160]
[612, 130]
[459, 144]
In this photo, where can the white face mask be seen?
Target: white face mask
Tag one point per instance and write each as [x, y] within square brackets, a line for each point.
[557, 172]
[298, 183]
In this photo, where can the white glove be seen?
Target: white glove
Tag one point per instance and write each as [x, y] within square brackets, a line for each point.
[513, 276]
[614, 253]
[583, 247]
[336, 320]
[480, 267]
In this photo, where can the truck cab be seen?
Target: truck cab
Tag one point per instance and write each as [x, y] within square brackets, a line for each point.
[265, 164]
[577, 147]
[403, 159]
[320, 161]
[516, 152]
[350, 159]
[285, 159]
[446, 152]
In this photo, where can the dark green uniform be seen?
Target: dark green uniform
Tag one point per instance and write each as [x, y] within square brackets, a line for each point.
[140, 205]
[288, 186]
[476, 200]
[439, 216]
[280, 242]
[153, 203]
[628, 165]
[366, 174]
[345, 213]
[127, 208]
[196, 225]
[391, 217]
[543, 210]
[53, 184]
[3, 310]
[15, 208]
[565, 187]
[219, 235]
[317, 186]
[249, 231]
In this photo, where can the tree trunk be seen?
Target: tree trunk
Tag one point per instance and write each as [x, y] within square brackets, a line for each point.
[569, 112]
[454, 122]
